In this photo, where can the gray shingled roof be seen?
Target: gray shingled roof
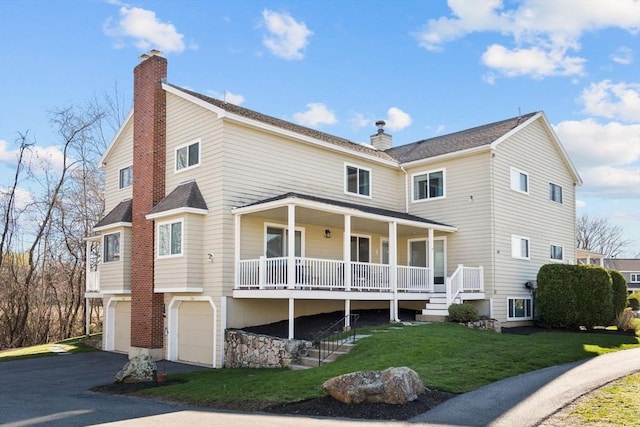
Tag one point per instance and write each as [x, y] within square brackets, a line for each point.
[458, 141]
[623, 264]
[363, 208]
[185, 195]
[121, 213]
[245, 112]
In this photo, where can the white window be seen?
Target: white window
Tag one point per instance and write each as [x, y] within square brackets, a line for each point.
[277, 242]
[358, 180]
[556, 253]
[111, 247]
[188, 156]
[170, 238]
[634, 278]
[555, 193]
[519, 309]
[519, 247]
[428, 185]
[360, 249]
[519, 181]
[126, 177]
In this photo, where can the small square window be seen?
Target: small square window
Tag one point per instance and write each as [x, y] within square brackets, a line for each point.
[358, 180]
[519, 309]
[170, 238]
[188, 156]
[111, 247]
[126, 177]
[556, 253]
[519, 247]
[555, 193]
[519, 181]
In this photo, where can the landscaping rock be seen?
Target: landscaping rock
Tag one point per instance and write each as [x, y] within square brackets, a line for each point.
[141, 368]
[395, 386]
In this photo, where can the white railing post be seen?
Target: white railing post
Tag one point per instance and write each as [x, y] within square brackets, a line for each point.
[346, 253]
[262, 272]
[481, 276]
[291, 246]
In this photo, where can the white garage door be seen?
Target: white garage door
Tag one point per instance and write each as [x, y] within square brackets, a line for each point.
[195, 332]
[122, 338]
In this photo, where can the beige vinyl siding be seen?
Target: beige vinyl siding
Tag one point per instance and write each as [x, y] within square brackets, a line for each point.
[120, 156]
[466, 206]
[184, 271]
[530, 215]
[115, 277]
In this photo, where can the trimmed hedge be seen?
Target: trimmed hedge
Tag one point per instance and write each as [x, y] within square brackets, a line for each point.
[574, 296]
[619, 286]
[633, 300]
[462, 313]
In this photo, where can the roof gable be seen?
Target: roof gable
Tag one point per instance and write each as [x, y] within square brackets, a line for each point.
[128, 121]
[185, 196]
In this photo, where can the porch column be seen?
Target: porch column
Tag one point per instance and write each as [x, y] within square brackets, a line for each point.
[346, 252]
[431, 259]
[236, 249]
[291, 316]
[291, 249]
[393, 268]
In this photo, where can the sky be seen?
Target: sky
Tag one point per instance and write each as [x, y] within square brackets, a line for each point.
[427, 68]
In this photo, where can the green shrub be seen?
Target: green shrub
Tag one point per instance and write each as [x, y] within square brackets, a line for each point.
[555, 297]
[462, 313]
[619, 288]
[633, 300]
[624, 321]
[593, 296]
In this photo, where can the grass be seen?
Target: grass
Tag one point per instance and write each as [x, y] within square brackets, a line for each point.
[70, 345]
[447, 357]
[617, 404]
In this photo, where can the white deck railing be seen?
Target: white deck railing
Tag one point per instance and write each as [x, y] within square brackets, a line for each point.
[464, 279]
[93, 281]
[414, 279]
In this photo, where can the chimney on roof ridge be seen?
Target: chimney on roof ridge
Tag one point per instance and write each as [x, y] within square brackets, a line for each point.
[381, 141]
[152, 52]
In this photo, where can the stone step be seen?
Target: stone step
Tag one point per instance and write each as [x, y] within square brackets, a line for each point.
[430, 318]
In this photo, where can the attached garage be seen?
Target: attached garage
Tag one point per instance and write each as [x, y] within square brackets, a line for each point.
[195, 337]
[122, 326]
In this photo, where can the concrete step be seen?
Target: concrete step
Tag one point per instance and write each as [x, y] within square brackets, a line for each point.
[432, 306]
[430, 318]
[435, 312]
[438, 300]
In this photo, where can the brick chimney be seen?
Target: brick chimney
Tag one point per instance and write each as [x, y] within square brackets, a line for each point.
[381, 141]
[149, 152]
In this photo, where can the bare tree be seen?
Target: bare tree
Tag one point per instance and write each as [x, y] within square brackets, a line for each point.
[599, 235]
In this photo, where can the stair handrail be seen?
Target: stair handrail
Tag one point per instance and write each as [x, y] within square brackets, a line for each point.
[332, 338]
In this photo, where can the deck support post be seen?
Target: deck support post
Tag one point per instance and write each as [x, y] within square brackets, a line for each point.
[347, 315]
[346, 252]
[432, 260]
[291, 316]
[291, 246]
[393, 269]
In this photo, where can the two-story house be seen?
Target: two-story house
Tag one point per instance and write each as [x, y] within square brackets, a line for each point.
[219, 216]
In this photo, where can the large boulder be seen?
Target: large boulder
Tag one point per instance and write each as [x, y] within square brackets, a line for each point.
[395, 386]
[141, 368]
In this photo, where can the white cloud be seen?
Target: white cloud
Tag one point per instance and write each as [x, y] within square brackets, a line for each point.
[580, 204]
[286, 37]
[541, 31]
[38, 159]
[359, 121]
[22, 199]
[612, 100]
[230, 97]
[146, 30]
[317, 114]
[623, 55]
[607, 156]
[397, 119]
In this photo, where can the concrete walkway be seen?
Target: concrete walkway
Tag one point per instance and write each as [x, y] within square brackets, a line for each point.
[53, 391]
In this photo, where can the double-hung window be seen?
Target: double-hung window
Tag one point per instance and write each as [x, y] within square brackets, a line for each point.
[170, 238]
[188, 156]
[126, 177]
[428, 185]
[556, 253]
[111, 247]
[634, 278]
[358, 180]
[520, 247]
[519, 181]
[519, 309]
[555, 193]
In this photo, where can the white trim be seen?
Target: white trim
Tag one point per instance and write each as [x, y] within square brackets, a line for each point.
[182, 233]
[186, 289]
[120, 177]
[515, 186]
[446, 156]
[110, 226]
[110, 322]
[337, 210]
[518, 255]
[187, 145]
[104, 248]
[633, 273]
[285, 228]
[177, 211]
[346, 180]
[554, 259]
[522, 297]
[428, 172]
[172, 325]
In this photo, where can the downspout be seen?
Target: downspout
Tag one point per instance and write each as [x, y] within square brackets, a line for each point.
[406, 189]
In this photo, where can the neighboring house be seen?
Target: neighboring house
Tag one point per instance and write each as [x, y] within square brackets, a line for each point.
[629, 268]
[222, 217]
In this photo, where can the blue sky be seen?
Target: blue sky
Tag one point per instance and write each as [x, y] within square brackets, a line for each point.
[427, 68]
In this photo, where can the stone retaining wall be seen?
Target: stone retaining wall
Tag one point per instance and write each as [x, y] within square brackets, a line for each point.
[246, 350]
[491, 325]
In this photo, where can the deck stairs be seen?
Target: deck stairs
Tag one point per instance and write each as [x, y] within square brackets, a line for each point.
[436, 309]
[310, 360]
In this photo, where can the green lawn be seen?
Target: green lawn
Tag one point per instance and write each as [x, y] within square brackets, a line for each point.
[70, 345]
[447, 357]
